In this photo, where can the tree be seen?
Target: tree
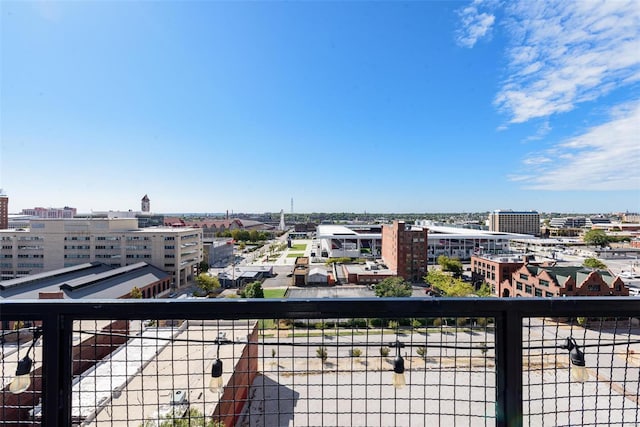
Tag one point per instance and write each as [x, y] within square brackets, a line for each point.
[447, 285]
[596, 238]
[594, 263]
[207, 283]
[393, 287]
[485, 290]
[203, 266]
[452, 265]
[135, 293]
[253, 290]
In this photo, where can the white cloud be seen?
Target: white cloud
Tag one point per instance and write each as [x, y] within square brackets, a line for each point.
[474, 24]
[605, 157]
[562, 53]
[542, 131]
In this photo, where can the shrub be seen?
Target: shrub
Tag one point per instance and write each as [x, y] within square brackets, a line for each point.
[376, 322]
[355, 352]
[320, 325]
[481, 321]
[321, 353]
[384, 351]
[461, 321]
[393, 324]
[416, 323]
[581, 321]
[483, 348]
[437, 322]
[422, 352]
[358, 323]
[284, 324]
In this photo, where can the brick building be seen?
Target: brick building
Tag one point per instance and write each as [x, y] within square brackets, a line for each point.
[530, 280]
[4, 211]
[495, 269]
[404, 250]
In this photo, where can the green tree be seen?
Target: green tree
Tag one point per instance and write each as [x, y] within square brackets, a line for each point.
[452, 265]
[596, 238]
[485, 290]
[447, 285]
[135, 293]
[203, 266]
[253, 290]
[207, 283]
[393, 287]
[594, 263]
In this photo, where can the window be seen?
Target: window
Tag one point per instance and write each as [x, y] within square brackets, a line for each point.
[548, 294]
[538, 292]
[519, 286]
[544, 283]
[524, 276]
[593, 288]
[528, 289]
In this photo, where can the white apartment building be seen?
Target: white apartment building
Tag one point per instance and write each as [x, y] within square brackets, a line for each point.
[51, 244]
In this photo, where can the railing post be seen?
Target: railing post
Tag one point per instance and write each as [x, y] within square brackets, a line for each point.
[56, 370]
[509, 369]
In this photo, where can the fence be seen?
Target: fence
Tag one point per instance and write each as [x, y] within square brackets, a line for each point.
[366, 362]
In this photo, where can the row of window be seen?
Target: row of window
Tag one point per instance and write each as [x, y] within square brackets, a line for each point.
[84, 247]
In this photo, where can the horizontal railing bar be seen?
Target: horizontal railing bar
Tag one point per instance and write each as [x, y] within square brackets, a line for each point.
[237, 309]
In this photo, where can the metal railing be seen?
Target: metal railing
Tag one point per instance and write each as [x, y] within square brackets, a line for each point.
[477, 361]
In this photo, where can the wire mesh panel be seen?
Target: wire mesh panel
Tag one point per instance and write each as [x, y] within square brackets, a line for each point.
[581, 371]
[159, 372]
[315, 363]
[344, 372]
[21, 366]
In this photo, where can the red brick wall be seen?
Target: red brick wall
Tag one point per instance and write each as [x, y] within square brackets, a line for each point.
[236, 391]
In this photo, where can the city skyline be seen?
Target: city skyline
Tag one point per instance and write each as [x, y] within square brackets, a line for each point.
[346, 107]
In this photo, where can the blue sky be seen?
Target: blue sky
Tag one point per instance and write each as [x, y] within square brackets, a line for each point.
[344, 106]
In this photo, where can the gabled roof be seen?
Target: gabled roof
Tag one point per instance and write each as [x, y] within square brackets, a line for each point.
[579, 274]
[95, 280]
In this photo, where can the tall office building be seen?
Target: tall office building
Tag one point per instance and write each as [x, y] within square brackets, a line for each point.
[404, 250]
[4, 211]
[526, 222]
[51, 244]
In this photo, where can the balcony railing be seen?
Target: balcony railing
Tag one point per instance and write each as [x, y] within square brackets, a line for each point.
[506, 362]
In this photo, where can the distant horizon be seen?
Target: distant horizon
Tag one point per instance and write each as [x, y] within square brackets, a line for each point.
[403, 106]
[339, 212]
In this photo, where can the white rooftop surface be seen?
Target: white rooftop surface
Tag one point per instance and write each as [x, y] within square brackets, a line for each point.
[438, 231]
[341, 231]
[162, 369]
[461, 399]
